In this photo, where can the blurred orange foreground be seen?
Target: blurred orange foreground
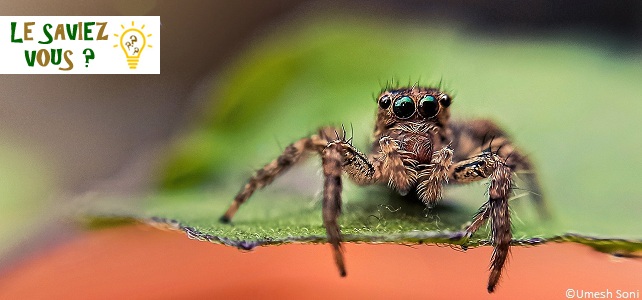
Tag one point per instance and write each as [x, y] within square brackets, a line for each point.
[140, 262]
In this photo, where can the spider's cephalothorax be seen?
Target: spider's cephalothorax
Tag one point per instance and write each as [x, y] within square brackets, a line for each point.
[417, 149]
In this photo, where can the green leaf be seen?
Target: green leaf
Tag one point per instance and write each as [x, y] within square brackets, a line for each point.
[571, 105]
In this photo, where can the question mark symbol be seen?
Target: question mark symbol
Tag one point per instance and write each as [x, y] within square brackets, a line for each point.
[88, 56]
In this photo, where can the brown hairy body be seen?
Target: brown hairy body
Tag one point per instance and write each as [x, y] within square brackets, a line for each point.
[418, 149]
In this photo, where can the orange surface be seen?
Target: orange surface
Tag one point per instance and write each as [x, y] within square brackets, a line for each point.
[139, 262]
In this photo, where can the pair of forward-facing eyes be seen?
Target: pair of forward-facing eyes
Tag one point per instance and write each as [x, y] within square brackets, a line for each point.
[404, 107]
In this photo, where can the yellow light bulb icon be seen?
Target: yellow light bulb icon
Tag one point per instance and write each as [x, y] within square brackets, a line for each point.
[133, 41]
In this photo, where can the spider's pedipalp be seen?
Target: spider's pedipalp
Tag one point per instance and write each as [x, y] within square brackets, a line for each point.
[432, 178]
[398, 169]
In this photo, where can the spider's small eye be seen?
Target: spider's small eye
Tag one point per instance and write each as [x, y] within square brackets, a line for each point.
[384, 101]
[404, 107]
[428, 106]
[445, 100]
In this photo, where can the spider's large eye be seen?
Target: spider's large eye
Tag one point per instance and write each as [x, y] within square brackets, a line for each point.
[404, 107]
[428, 106]
[384, 101]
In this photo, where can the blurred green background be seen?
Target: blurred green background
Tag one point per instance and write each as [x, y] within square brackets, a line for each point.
[569, 102]
[239, 81]
[24, 195]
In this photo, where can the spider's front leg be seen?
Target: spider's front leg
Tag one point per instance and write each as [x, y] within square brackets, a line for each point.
[490, 165]
[473, 137]
[291, 155]
[332, 167]
[337, 155]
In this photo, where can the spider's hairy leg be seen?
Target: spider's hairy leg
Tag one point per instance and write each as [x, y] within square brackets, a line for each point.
[332, 167]
[479, 219]
[337, 155]
[475, 136]
[492, 166]
[397, 167]
[266, 175]
[500, 224]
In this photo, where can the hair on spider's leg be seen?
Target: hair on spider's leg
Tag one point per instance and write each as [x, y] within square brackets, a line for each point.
[349, 141]
[498, 148]
[483, 142]
[508, 156]
[490, 144]
[536, 195]
[526, 192]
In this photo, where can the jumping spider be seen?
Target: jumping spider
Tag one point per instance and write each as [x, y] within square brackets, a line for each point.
[417, 149]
